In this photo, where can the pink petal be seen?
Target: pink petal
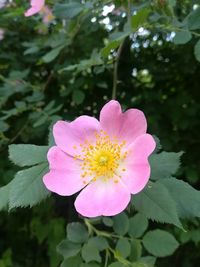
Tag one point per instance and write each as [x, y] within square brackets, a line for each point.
[36, 6]
[31, 11]
[69, 135]
[64, 177]
[125, 126]
[137, 167]
[102, 198]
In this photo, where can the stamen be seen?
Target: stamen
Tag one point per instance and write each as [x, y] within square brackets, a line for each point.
[102, 157]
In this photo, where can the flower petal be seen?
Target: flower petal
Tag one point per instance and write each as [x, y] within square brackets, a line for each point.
[64, 177]
[32, 11]
[36, 6]
[137, 166]
[125, 126]
[69, 135]
[102, 198]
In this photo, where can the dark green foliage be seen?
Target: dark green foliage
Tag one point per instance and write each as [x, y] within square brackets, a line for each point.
[65, 69]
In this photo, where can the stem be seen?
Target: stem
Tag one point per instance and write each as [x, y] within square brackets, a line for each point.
[129, 13]
[115, 73]
[106, 259]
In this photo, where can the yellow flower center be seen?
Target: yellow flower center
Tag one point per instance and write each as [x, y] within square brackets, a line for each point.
[102, 157]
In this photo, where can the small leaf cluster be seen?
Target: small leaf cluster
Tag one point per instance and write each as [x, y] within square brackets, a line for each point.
[122, 241]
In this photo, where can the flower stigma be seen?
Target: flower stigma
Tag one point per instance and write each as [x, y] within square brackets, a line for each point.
[102, 158]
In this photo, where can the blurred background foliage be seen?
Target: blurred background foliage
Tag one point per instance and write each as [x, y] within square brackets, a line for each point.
[70, 64]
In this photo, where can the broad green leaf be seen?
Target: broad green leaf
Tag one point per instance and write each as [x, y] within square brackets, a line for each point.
[50, 56]
[77, 232]
[4, 196]
[94, 60]
[139, 18]
[90, 264]
[148, 260]
[90, 253]
[123, 247]
[98, 242]
[193, 20]
[110, 46]
[116, 264]
[27, 188]
[136, 250]
[137, 225]
[68, 11]
[121, 224]
[197, 50]
[27, 155]
[115, 42]
[68, 249]
[186, 197]
[72, 262]
[139, 264]
[160, 243]
[107, 221]
[156, 203]
[31, 50]
[164, 164]
[182, 37]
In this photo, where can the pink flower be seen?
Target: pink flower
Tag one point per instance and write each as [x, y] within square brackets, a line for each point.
[47, 15]
[36, 6]
[108, 159]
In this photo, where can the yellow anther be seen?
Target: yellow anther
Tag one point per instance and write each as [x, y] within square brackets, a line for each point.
[101, 157]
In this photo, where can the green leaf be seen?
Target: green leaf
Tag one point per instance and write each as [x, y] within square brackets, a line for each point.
[78, 96]
[148, 260]
[193, 20]
[156, 204]
[4, 196]
[117, 39]
[136, 250]
[123, 247]
[197, 50]
[90, 253]
[121, 224]
[27, 188]
[107, 221]
[72, 262]
[76, 232]
[68, 11]
[186, 197]
[182, 37]
[91, 264]
[50, 56]
[98, 242]
[139, 18]
[68, 249]
[164, 164]
[31, 50]
[139, 264]
[27, 155]
[138, 225]
[116, 264]
[160, 243]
